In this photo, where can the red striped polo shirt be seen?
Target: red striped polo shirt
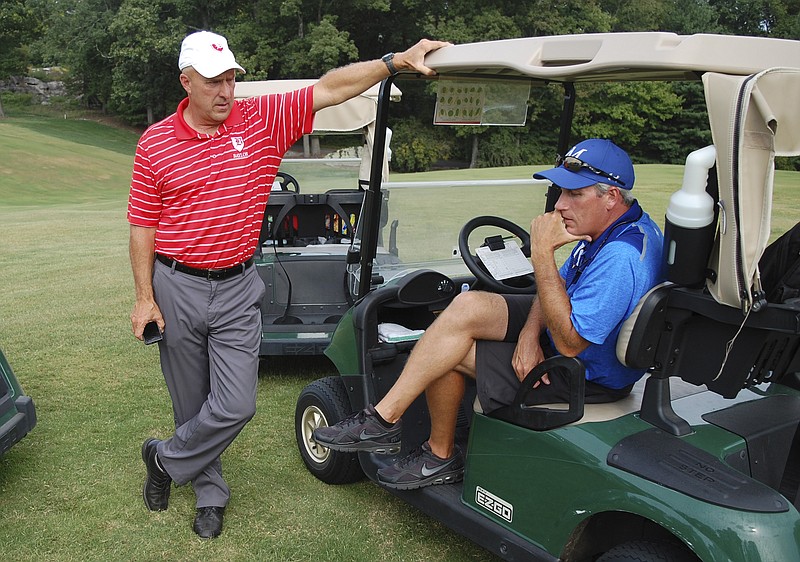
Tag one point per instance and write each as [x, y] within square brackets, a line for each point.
[205, 194]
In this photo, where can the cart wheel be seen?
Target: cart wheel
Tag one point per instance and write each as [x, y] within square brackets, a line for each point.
[322, 403]
[648, 551]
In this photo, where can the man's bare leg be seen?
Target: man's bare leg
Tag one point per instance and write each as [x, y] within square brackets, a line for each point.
[446, 349]
[444, 396]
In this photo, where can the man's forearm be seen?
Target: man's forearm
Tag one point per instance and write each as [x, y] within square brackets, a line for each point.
[142, 253]
[346, 82]
[556, 308]
[548, 234]
[535, 322]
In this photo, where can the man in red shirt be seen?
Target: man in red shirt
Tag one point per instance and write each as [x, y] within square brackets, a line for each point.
[201, 179]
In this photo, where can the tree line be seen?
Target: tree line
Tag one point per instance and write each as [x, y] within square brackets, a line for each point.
[121, 57]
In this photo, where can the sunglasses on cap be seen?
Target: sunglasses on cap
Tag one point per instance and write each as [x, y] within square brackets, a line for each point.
[576, 165]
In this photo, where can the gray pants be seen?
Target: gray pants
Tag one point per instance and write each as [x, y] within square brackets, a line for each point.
[209, 357]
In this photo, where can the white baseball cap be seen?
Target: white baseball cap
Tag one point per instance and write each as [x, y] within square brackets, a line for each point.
[207, 53]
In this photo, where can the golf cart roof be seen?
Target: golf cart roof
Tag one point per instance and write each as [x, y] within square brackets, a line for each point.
[352, 115]
[616, 56]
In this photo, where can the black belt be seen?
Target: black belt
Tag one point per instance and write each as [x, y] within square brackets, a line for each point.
[210, 274]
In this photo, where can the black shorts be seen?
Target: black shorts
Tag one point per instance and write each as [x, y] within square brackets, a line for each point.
[497, 383]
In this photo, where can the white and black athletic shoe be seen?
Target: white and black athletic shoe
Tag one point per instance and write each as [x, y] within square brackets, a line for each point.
[422, 468]
[362, 431]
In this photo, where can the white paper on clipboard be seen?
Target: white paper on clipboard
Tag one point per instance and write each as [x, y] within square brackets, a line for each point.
[506, 263]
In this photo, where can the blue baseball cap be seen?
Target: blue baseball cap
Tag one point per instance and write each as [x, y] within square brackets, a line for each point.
[590, 162]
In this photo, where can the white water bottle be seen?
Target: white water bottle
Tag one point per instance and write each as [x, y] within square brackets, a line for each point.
[689, 225]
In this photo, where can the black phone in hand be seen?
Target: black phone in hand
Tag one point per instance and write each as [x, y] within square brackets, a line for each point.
[152, 333]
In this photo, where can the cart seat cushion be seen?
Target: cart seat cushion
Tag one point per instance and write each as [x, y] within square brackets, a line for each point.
[628, 405]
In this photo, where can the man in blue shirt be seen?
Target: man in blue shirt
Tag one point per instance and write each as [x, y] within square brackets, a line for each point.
[498, 339]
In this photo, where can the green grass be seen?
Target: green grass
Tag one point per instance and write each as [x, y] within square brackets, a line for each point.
[61, 162]
[71, 490]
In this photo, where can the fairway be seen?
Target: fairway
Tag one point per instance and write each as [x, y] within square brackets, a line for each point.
[71, 490]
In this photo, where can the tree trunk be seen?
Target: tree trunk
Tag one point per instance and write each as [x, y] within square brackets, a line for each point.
[2, 113]
[473, 161]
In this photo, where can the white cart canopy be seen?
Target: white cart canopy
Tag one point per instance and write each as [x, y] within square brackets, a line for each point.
[353, 115]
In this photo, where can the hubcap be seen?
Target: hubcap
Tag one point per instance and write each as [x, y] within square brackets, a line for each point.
[313, 418]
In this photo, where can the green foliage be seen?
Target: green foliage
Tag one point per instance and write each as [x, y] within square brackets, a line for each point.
[258, 52]
[143, 49]
[486, 26]
[21, 104]
[690, 16]
[121, 53]
[19, 23]
[503, 19]
[642, 15]
[661, 145]
[323, 48]
[504, 147]
[415, 147]
[79, 39]
[625, 112]
[753, 17]
[788, 163]
[48, 74]
[16, 101]
[570, 16]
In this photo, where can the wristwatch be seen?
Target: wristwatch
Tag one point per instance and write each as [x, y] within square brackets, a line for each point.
[387, 59]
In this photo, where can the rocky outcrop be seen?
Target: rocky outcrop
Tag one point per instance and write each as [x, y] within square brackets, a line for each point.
[41, 91]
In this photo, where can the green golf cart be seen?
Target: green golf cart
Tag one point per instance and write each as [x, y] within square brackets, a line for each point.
[17, 411]
[702, 460]
[309, 224]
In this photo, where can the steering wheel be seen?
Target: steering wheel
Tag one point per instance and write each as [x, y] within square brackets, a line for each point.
[287, 181]
[522, 285]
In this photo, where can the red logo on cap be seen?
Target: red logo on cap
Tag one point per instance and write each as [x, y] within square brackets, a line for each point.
[217, 47]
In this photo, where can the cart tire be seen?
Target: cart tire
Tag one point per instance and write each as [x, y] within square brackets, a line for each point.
[648, 551]
[322, 403]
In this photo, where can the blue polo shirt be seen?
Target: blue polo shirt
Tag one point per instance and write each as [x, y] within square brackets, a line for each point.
[605, 279]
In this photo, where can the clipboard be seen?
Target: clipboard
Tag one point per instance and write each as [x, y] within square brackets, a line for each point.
[505, 263]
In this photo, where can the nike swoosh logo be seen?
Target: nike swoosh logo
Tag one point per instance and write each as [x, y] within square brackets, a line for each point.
[431, 471]
[366, 435]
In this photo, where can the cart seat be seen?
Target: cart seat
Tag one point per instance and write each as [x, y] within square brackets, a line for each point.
[682, 337]
[686, 334]
[628, 405]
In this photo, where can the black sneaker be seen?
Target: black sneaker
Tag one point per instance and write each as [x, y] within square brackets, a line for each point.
[362, 431]
[422, 468]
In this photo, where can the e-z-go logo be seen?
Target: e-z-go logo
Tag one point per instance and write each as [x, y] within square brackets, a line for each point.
[493, 504]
